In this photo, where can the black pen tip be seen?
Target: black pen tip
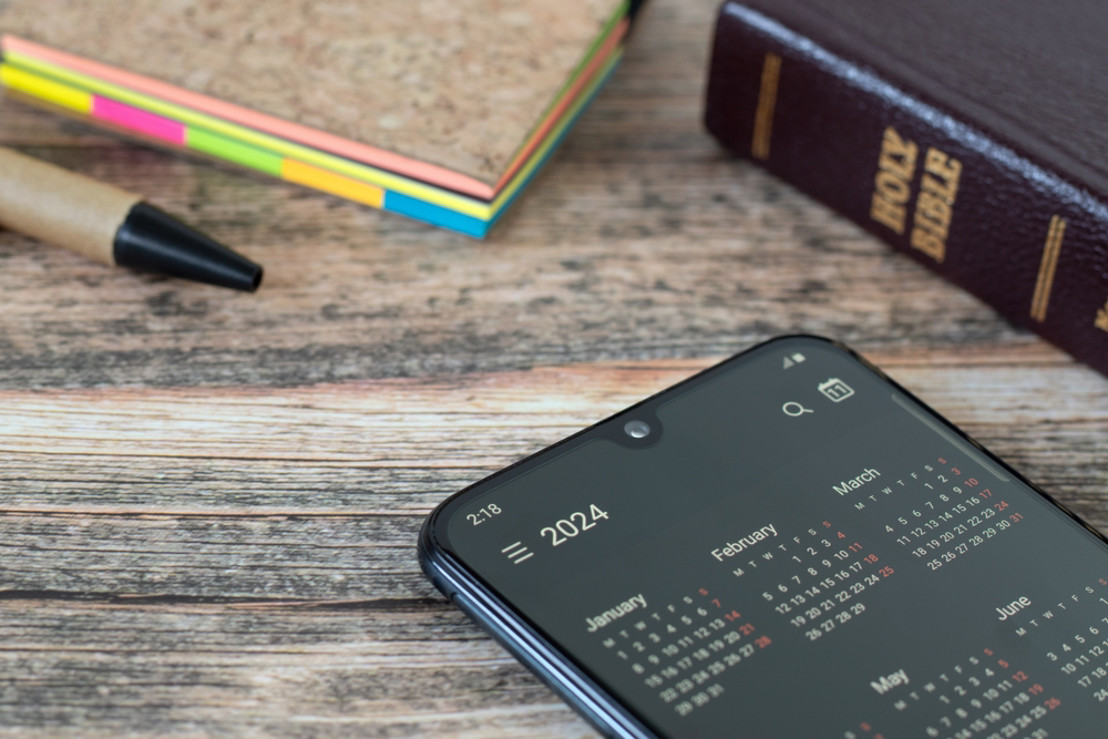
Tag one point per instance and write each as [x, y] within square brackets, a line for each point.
[151, 240]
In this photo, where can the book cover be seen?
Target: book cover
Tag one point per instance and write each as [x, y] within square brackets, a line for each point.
[441, 110]
[968, 135]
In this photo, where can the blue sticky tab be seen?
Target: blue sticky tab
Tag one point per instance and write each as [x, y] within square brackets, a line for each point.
[435, 214]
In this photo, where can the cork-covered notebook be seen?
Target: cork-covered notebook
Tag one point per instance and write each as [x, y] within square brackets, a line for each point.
[441, 110]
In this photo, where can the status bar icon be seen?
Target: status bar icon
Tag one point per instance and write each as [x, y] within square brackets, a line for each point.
[792, 360]
[836, 390]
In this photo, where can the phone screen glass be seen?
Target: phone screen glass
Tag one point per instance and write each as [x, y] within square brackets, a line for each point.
[798, 548]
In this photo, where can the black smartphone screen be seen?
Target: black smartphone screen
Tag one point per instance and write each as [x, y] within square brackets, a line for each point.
[796, 547]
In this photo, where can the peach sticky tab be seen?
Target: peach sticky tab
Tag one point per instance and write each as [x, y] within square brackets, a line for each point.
[138, 120]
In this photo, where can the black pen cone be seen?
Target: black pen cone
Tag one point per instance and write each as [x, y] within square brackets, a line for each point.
[151, 240]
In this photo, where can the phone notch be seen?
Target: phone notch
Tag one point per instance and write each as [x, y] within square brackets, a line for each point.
[639, 428]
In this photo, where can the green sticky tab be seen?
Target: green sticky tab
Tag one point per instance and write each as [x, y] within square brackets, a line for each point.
[233, 151]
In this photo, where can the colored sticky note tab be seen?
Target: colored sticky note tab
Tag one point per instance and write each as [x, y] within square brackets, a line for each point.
[346, 187]
[233, 151]
[138, 120]
[47, 90]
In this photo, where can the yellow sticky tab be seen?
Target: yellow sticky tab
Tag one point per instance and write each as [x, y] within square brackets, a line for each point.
[45, 89]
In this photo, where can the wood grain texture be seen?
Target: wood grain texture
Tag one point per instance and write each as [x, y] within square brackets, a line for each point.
[210, 500]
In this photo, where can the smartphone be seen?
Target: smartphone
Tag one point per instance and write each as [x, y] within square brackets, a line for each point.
[787, 544]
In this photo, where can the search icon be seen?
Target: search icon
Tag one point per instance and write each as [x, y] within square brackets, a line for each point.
[794, 409]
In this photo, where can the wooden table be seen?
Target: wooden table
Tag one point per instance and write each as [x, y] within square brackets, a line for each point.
[211, 500]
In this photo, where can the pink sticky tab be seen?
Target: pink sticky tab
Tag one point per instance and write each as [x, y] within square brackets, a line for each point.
[138, 120]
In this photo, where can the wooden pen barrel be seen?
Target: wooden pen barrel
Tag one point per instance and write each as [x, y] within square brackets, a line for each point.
[61, 207]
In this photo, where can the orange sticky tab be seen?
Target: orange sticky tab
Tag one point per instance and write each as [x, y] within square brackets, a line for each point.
[336, 184]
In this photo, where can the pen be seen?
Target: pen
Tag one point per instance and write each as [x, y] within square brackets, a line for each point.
[112, 225]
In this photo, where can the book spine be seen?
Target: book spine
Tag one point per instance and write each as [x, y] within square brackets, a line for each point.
[1020, 237]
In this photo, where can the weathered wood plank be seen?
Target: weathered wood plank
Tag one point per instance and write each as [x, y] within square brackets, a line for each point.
[344, 527]
[98, 669]
[330, 448]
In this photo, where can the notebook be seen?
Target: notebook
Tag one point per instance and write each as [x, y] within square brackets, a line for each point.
[441, 110]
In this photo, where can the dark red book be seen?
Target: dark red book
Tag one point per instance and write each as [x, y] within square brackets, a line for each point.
[970, 135]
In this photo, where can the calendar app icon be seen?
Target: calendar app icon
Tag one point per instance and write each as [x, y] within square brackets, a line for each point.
[836, 389]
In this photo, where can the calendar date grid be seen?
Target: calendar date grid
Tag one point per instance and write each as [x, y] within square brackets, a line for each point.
[681, 649]
[1081, 654]
[985, 697]
[951, 515]
[831, 573]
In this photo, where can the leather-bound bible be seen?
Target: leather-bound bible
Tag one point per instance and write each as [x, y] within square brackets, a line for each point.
[971, 135]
